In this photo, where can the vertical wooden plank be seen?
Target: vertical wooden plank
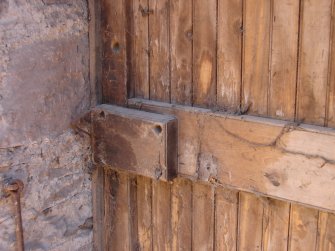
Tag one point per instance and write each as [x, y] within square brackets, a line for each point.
[229, 53]
[98, 208]
[129, 34]
[284, 53]
[144, 212]
[303, 228]
[226, 212]
[181, 214]
[116, 211]
[276, 225]
[330, 113]
[203, 217]
[161, 215]
[133, 212]
[94, 32]
[250, 222]
[159, 50]
[314, 55]
[256, 46]
[181, 51]
[326, 232]
[204, 52]
[331, 109]
[140, 58]
[114, 62]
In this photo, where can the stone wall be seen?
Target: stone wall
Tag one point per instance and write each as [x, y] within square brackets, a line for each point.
[44, 86]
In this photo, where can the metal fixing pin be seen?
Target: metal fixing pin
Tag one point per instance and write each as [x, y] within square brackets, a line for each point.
[14, 188]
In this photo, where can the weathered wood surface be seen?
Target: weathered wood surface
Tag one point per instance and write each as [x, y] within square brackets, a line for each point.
[314, 61]
[114, 51]
[94, 31]
[144, 213]
[139, 142]
[204, 53]
[98, 177]
[181, 29]
[276, 217]
[326, 232]
[159, 50]
[226, 219]
[161, 216]
[229, 53]
[133, 211]
[116, 212]
[330, 112]
[303, 229]
[256, 46]
[181, 214]
[189, 52]
[274, 158]
[283, 59]
[250, 222]
[140, 56]
[203, 217]
[270, 58]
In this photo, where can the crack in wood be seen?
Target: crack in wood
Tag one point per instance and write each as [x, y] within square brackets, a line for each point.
[290, 127]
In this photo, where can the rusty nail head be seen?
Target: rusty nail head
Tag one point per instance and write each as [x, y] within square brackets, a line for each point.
[14, 186]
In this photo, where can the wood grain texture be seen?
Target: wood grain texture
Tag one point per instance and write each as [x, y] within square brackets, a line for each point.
[161, 216]
[114, 55]
[135, 141]
[159, 50]
[250, 222]
[191, 53]
[144, 212]
[181, 51]
[331, 91]
[229, 54]
[203, 217]
[326, 232]
[133, 212]
[271, 157]
[303, 228]
[181, 214]
[284, 53]
[256, 47]
[98, 208]
[116, 232]
[204, 52]
[94, 32]
[140, 57]
[226, 219]
[314, 56]
[276, 219]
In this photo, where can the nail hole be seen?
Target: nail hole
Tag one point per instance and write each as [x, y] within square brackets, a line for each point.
[189, 35]
[116, 47]
[158, 129]
[102, 114]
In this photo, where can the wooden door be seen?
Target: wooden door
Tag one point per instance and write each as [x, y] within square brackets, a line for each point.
[251, 83]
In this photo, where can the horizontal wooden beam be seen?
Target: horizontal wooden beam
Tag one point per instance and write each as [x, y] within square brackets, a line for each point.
[270, 157]
[135, 141]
